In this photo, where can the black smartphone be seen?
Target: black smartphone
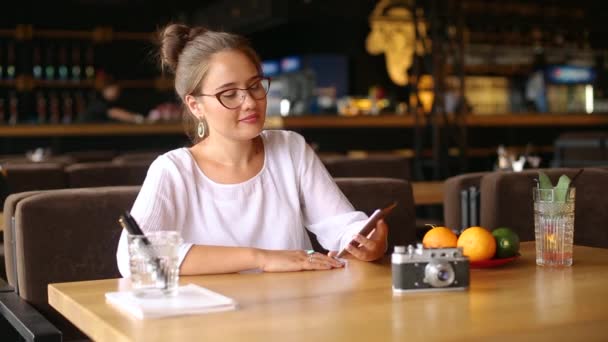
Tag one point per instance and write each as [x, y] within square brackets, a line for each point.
[369, 225]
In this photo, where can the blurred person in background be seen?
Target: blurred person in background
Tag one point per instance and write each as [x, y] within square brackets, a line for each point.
[105, 108]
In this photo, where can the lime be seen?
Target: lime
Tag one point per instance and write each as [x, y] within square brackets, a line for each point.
[507, 242]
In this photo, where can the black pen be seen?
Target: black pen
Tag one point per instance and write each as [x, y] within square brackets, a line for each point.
[128, 222]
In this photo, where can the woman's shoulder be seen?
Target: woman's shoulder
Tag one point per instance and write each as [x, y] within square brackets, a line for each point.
[283, 138]
[173, 162]
[286, 148]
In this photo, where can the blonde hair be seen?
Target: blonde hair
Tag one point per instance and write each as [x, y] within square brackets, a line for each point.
[185, 51]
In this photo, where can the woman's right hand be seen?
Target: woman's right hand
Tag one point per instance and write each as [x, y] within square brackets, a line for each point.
[289, 261]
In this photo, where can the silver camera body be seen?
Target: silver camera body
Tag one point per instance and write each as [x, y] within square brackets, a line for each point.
[429, 269]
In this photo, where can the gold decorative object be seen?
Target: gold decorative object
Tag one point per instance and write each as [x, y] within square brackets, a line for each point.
[393, 32]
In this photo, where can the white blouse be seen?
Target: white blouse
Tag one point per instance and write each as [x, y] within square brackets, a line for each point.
[293, 190]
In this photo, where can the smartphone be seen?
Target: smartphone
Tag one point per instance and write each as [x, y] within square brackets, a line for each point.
[369, 225]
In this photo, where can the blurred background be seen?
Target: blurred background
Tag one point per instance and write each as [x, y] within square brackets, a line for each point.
[454, 86]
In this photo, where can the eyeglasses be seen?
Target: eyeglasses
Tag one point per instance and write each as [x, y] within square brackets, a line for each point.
[234, 97]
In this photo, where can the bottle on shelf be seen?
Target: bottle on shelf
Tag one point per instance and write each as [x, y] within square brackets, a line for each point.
[76, 70]
[2, 110]
[62, 58]
[37, 62]
[1, 60]
[89, 69]
[54, 110]
[13, 108]
[41, 107]
[79, 103]
[11, 68]
[49, 64]
[68, 108]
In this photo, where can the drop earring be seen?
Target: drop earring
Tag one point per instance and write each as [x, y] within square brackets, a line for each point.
[201, 129]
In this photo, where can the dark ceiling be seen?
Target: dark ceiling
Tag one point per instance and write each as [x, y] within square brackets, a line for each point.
[141, 15]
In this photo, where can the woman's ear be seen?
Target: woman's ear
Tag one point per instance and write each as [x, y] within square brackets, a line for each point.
[192, 105]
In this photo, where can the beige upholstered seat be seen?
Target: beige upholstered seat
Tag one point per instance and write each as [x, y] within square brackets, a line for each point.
[387, 166]
[507, 201]
[66, 235]
[84, 175]
[137, 157]
[452, 204]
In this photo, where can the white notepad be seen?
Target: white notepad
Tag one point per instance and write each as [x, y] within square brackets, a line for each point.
[191, 299]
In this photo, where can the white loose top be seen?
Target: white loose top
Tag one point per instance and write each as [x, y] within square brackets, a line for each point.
[292, 191]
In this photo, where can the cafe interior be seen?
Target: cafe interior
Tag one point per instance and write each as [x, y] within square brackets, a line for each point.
[465, 113]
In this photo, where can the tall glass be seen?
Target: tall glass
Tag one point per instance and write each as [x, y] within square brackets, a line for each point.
[154, 264]
[554, 226]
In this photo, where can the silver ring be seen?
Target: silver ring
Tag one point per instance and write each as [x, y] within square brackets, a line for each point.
[310, 253]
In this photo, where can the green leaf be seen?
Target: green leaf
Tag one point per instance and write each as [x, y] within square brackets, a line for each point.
[562, 188]
[544, 181]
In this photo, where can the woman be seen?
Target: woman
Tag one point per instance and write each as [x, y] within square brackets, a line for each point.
[240, 196]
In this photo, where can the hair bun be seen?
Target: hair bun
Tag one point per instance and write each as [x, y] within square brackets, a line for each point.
[173, 38]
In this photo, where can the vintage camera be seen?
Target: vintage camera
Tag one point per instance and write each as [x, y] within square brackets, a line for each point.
[425, 269]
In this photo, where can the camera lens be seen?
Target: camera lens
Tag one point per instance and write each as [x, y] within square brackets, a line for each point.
[443, 275]
[439, 273]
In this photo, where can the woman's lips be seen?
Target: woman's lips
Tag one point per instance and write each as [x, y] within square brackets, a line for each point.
[253, 118]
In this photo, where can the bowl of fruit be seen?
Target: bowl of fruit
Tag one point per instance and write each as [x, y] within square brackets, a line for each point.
[483, 248]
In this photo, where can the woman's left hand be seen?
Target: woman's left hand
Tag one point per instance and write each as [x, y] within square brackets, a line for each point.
[371, 248]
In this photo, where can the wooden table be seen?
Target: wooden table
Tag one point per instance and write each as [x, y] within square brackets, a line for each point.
[428, 193]
[357, 304]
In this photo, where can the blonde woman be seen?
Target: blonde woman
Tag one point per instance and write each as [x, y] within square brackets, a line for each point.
[241, 197]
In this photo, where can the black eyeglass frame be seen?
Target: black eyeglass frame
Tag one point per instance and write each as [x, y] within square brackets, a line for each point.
[219, 94]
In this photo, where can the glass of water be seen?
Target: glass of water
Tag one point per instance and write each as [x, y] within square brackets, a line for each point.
[153, 262]
[554, 226]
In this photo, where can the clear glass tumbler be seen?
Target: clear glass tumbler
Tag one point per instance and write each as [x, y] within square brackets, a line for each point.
[154, 264]
[554, 226]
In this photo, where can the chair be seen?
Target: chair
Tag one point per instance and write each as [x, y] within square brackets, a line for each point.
[137, 157]
[62, 236]
[369, 194]
[22, 159]
[34, 325]
[85, 175]
[581, 149]
[507, 202]
[387, 166]
[34, 176]
[17, 177]
[8, 260]
[456, 213]
[92, 156]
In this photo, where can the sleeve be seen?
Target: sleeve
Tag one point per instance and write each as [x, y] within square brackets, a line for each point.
[326, 210]
[155, 209]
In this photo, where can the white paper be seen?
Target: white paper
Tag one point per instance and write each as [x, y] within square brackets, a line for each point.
[190, 299]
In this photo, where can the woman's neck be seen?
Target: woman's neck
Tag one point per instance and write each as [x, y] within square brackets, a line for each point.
[229, 153]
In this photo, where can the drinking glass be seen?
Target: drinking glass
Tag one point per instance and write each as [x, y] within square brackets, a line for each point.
[554, 226]
[153, 262]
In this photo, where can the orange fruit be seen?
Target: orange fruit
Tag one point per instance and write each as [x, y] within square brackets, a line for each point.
[439, 237]
[477, 243]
